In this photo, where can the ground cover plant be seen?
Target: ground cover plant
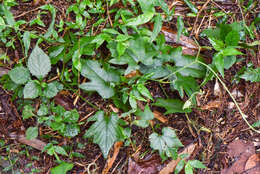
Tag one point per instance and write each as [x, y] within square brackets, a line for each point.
[127, 86]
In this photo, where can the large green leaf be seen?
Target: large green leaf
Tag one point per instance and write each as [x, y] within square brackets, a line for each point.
[39, 63]
[232, 38]
[19, 75]
[163, 143]
[31, 133]
[185, 83]
[171, 105]
[31, 90]
[105, 131]
[99, 78]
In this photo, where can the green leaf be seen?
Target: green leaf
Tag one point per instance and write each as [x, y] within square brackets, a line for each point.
[171, 105]
[8, 15]
[179, 167]
[99, 77]
[120, 47]
[43, 110]
[229, 61]
[31, 133]
[180, 27]
[39, 63]
[26, 42]
[145, 117]
[251, 74]
[188, 169]
[163, 142]
[51, 90]
[232, 38]
[157, 27]
[218, 61]
[187, 64]
[144, 91]
[27, 112]
[196, 164]
[185, 83]
[217, 44]
[191, 6]
[230, 51]
[19, 75]
[60, 150]
[105, 131]
[71, 116]
[141, 19]
[31, 90]
[71, 130]
[62, 168]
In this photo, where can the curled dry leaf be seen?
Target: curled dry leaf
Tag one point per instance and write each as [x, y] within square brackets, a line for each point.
[172, 165]
[253, 164]
[159, 116]
[111, 160]
[133, 74]
[211, 105]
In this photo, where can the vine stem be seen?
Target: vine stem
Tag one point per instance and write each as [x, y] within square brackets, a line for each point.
[234, 100]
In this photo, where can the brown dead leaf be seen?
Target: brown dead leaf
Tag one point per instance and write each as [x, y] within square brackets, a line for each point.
[133, 74]
[211, 105]
[111, 160]
[159, 116]
[35, 143]
[171, 36]
[240, 151]
[172, 165]
[151, 165]
[253, 162]
[64, 101]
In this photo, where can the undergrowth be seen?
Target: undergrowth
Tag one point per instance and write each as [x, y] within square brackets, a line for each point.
[117, 62]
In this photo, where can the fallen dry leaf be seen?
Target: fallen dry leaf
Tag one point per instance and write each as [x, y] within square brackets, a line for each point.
[110, 161]
[159, 116]
[172, 165]
[35, 143]
[64, 101]
[253, 162]
[241, 151]
[151, 165]
[211, 105]
[133, 74]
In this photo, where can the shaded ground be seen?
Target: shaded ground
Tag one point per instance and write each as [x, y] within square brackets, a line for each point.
[214, 124]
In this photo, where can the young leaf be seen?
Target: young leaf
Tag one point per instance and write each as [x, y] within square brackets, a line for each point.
[217, 44]
[62, 168]
[60, 150]
[141, 19]
[180, 27]
[218, 60]
[19, 75]
[51, 90]
[105, 131]
[197, 164]
[232, 38]
[251, 74]
[99, 77]
[157, 27]
[144, 91]
[171, 105]
[39, 63]
[31, 90]
[164, 142]
[71, 130]
[31, 133]
[191, 6]
[145, 117]
[230, 51]
[179, 167]
[26, 42]
[27, 112]
[188, 169]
